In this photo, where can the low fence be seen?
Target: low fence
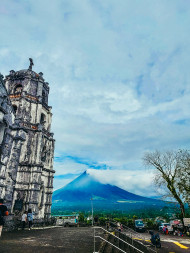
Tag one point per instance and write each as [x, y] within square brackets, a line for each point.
[120, 242]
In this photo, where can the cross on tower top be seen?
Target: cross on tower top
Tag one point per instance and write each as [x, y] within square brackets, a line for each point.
[31, 64]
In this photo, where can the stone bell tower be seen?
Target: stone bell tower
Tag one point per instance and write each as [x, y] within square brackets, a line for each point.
[29, 168]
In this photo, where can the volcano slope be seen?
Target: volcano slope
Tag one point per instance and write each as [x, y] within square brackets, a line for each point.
[78, 194]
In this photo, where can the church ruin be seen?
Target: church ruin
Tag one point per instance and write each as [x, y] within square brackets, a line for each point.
[26, 143]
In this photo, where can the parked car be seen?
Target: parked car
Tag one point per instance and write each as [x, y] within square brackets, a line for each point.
[169, 227]
[139, 226]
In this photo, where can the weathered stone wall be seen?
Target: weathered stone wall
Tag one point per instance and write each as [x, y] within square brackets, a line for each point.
[26, 165]
[6, 139]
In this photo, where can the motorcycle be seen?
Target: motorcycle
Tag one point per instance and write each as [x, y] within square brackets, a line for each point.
[155, 239]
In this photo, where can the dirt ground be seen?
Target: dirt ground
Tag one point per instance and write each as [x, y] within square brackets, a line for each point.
[58, 239]
[74, 240]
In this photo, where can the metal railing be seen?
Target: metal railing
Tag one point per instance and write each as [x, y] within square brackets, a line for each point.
[130, 231]
[96, 236]
[132, 234]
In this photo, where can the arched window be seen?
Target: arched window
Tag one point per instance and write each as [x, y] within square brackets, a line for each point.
[14, 109]
[43, 97]
[18, 89]
[44, 154]
[42, 119]
[41, 196]
[2, 130]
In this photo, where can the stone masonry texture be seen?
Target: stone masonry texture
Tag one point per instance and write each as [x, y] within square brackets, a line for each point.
[26, 144]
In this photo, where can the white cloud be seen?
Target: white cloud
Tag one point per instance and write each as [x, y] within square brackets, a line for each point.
[118, 73]
[135, 181]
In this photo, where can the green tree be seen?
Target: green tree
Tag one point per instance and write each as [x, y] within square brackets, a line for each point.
[81, 217]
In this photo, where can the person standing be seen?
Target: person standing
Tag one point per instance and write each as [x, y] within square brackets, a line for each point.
[24, 218]
[119, 226]
[30, 218]
[3, 212]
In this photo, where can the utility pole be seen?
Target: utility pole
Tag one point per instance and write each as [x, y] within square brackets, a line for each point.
[92, 211]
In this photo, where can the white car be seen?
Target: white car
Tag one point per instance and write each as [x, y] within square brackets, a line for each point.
[169, 227]
[139, 226]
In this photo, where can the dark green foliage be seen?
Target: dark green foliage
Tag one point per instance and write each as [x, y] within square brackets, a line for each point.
[81, 217]
[102, 221]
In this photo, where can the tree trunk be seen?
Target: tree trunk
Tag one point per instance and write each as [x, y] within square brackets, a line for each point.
[174, 193]
[182, 212]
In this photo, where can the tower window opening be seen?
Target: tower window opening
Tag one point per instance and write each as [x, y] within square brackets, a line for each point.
[41, 197]
[44, 154]
[42, 119]
[18, 89]
[43, 97]
[14, 109]
[2, 130]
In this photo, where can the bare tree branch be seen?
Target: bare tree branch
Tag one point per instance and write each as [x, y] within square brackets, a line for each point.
[172, 173]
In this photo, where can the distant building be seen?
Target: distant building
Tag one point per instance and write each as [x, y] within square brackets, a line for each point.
[67, 219]
[26, 142]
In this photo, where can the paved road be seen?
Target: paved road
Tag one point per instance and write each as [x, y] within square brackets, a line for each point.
[170, 243]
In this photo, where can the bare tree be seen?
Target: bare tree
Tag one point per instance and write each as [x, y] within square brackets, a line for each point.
[168, 166]
[183, 175]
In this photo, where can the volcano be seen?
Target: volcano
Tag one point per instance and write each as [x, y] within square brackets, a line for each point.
[85, 188]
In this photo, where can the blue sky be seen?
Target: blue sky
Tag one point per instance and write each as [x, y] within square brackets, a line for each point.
[119, 80]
